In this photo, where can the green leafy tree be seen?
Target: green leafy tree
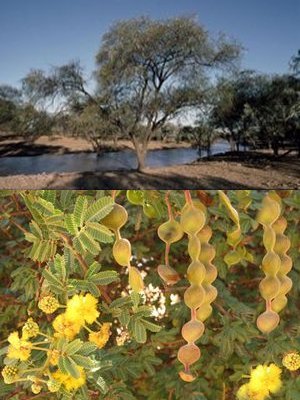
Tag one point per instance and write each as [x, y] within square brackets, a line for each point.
[90, 124]
[77, 321]
[32, 123]
[233, 108]
[276, 111]
[150, 71]
[10, 100]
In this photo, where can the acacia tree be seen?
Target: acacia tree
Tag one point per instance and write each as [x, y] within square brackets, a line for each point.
[10, 101]
[276, 111]
[150, 71]
[232, 110]
[90, 124]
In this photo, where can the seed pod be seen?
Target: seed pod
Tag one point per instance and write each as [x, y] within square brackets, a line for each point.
[170, 231]
[194, 296]
[286, 284]
[205, 234]
[122, 251]
[279, 303]
[149, 210]
[122, 247]
[286, 264]
[168, 274]
[207, 252]
[204, 312]
[269, 287]
[196, 272]
[211, 272]
[269, 238]
[116, 218]
[192, 330]
[267, 321]
[271, 263]
[211, 293]
[200, 273]
[194, 247]
[186, 376]
[269, 212]
[188, 354]
[135, 197]
[135, 279]
[282, 245]
[192, 220]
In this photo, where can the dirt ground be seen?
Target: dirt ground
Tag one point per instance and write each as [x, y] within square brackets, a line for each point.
[202, 175]
[252, 170]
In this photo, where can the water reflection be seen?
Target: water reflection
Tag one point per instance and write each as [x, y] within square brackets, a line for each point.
[89, 162]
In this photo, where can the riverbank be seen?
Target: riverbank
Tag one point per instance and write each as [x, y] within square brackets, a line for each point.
[64, 145]
[252, 173]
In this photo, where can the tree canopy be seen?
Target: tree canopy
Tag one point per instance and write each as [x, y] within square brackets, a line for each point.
[149, 71]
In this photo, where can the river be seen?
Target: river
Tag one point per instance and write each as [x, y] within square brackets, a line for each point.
[110, 161]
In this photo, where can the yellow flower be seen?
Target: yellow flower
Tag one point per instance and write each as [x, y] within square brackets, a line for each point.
[54, 356]
[48, 304]
[10, 374]
[68, 381]
[291, 361]
[101, 337]
[82, 308]
[265, 377]
[65, 327]
[30, 329]
[53, 385]
[19, 349]
[36, 388]
[242, 393]
[245, 393]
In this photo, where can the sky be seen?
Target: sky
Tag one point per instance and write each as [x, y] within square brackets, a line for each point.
[43, 33]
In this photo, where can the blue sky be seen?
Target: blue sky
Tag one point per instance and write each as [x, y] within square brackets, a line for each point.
[41, 33]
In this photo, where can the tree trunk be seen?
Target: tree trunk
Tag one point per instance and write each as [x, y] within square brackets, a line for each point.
[115, 142]
[275, 147]
[141, 153]
[232, 143]
[141, 156]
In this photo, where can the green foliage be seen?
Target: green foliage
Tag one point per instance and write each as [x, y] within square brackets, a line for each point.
[55, 242]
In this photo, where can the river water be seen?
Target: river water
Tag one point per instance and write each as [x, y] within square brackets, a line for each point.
[110, 161]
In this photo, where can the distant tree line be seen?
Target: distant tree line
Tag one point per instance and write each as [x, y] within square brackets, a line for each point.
[149, 73]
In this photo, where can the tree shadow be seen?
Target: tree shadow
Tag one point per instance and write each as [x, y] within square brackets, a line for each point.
[136, 180]
[286, 164]
[29, 149]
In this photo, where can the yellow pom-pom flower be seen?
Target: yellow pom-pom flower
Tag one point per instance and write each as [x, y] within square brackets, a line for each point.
[245, 393]
[10, 374]
[30, 329]
[265, 377]
[19, 349]
[101, 337]
[82, 308]
[291, 361]
[48, 304]
[54, 356]
[53, 385]
[68, 381]
[64, 327]
[36, 388]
